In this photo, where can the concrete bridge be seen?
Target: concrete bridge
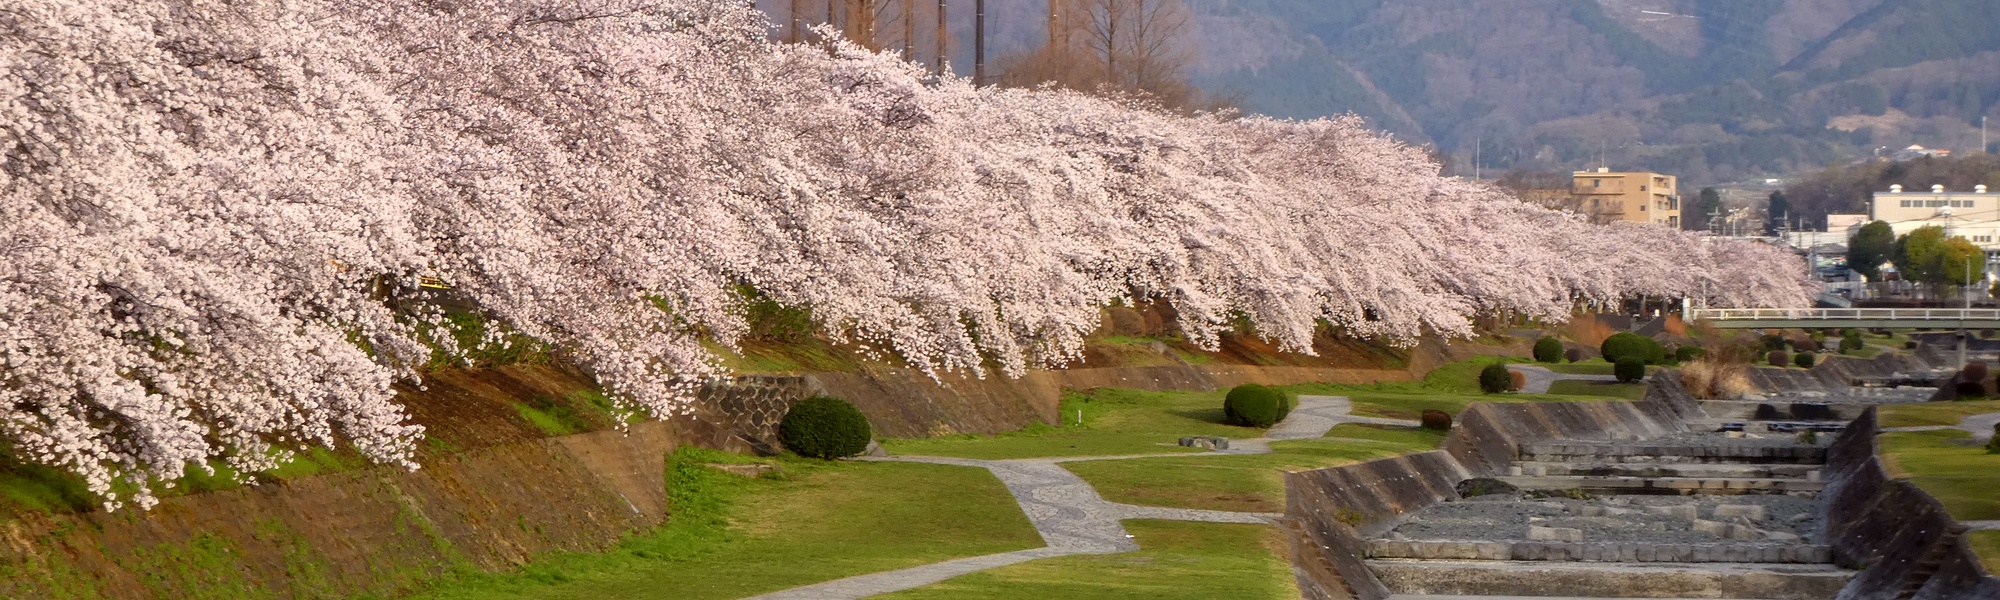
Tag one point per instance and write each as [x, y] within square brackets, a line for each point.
[1873, 318]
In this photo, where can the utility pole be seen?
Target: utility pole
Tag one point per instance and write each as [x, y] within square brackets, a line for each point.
[979, 43]
[1476, 142]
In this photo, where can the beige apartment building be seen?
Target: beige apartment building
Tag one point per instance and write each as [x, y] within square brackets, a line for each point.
[1637, 197]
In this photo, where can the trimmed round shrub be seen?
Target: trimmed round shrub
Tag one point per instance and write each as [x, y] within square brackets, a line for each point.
[1968, 390]
[1548, 350]
[1625, 345]
[1778, 358]
[1804, 346]
[1973, 371]
[1805, 359]
[1985, 334]
[822, 427]
[1573, 355]
[1436, 419]
[1494, 379]
[1629, 370]
[1516, 380]
[1852, 341]
[1252, 405]
[1910, 345]
[1688, 353]
[1771, 342]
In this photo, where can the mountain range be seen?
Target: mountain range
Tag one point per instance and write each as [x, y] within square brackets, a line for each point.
[1712, 90]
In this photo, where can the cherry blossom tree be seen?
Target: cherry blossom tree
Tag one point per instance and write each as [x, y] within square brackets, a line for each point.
[217, 215]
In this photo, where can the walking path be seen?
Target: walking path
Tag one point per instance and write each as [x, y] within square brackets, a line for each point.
[1539, 378]
[1073, 519]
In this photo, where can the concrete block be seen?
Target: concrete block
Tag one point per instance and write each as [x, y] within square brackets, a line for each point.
[1711, 527]
[1685, 511]
[1748, 511]
[1557, 534]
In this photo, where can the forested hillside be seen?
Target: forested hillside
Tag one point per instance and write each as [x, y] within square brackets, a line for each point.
[1713, 90]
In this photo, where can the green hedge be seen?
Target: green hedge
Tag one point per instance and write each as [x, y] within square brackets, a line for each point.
[822, 427]
[1494, 379]
[1625, 345]
[1253, 405]
[1548, 350]
[1629, 370]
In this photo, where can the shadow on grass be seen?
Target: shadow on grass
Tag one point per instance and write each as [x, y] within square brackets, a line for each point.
[1213, 416]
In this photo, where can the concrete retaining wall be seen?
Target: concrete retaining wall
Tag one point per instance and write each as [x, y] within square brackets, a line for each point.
[1334, 510]
[1837, 372]
[1900, 538]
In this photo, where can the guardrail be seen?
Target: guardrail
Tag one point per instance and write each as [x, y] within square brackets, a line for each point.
[1845, 314]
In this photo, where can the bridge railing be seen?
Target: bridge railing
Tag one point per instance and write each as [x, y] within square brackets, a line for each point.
[1844, 314]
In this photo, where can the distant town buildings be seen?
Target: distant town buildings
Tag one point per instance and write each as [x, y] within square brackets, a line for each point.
[1637, 196]
[1974, 215]
[1915, 152]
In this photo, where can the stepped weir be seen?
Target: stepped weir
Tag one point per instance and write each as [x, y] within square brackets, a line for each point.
[1775, 497]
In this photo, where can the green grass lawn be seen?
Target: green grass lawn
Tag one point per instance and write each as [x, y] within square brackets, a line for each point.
[1176, 560]
[1115, 423]
[1118, 422]
[1244, 482]
[1934, 413]
[732, 536]
[1594, 366]
[1987, 545]
[1944, 463]
[1606, 389]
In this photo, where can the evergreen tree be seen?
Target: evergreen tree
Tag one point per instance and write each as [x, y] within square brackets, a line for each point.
[1779, 210]
[1869, 248]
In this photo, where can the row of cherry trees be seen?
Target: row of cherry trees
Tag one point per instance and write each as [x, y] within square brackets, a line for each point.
[208, 207]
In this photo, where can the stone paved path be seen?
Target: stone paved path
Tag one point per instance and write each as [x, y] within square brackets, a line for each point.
[1980, 426]
[1068, 513]
[1540, 378]
[1982, 525]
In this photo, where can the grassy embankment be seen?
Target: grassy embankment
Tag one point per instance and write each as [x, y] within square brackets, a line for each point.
[732, 536]
[1948, 465]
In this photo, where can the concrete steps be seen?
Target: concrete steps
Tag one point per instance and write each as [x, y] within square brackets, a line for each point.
[1460, 597]
[1626, 552]
[1758, 581]
[1593, 452]
[1642, 469]
[1665, 485]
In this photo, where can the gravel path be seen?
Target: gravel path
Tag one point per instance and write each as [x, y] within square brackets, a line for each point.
[1980, 426]
[1539, 378]
[1068, 513]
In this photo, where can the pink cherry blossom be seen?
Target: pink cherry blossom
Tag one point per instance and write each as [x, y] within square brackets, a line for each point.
[214, 216]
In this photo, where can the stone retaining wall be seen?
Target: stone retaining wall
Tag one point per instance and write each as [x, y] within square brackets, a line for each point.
[1900, 538]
